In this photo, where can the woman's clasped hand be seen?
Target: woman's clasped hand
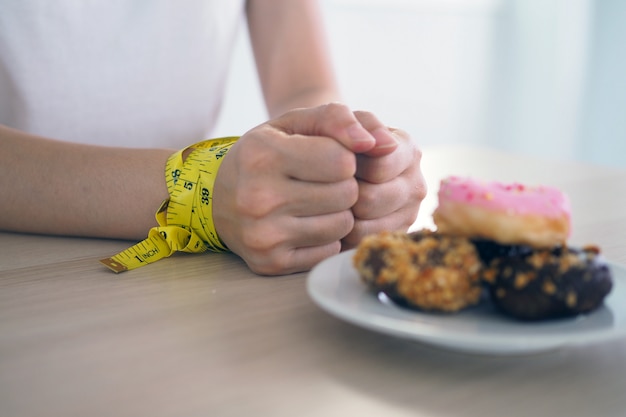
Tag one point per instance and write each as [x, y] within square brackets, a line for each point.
[305, 185]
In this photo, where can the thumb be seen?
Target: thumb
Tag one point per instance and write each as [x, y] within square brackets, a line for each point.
[386, 137]
[332, 120]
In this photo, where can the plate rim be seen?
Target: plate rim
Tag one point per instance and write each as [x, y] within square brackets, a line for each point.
[437, 336]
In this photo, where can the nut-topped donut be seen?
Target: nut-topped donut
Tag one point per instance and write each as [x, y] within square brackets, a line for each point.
[423, 270]
[506, 213]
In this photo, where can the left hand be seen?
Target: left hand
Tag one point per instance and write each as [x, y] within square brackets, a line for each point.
[391, 184]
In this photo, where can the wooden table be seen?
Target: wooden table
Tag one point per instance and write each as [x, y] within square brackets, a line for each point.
[200, 335]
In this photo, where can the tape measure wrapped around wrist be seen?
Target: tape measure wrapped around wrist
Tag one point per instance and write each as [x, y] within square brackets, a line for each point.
[186, 218]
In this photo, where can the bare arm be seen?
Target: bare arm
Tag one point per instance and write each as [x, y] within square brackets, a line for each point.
[291, 54]
[55, 187]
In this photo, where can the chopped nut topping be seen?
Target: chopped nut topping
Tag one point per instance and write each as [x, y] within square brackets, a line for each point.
[571, 299]
[548, 287]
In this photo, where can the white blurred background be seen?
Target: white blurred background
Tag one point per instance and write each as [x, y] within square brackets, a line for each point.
[542, 77]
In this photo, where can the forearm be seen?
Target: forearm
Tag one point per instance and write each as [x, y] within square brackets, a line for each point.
[312, 96]
[291, 53]
[54, 187]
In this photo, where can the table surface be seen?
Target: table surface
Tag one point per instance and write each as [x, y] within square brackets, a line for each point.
[199, 335]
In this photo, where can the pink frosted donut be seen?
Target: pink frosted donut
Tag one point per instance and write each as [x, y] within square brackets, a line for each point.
[506, 213]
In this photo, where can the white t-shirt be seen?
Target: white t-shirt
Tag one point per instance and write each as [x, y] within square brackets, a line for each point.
[116, 72]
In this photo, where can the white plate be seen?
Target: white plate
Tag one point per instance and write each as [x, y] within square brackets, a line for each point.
[335, 286]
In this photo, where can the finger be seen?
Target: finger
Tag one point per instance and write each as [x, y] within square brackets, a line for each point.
[314, 199]
[406, 190]
[295, 260]
[320, 230]
[318, 159]
[292, 198]
[399, 220]
[334, 120]
[312, 246]
[384, 168]
[294, 244]
[386, 140]
[371, 197]
[303, 259]
[269, 151]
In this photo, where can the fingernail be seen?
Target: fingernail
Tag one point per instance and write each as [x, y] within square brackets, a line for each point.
[384, 138]
[359, 134]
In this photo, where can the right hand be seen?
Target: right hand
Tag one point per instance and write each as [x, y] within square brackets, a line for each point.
[283, 195]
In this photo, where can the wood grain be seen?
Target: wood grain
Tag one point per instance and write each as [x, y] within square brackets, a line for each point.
[200, 335]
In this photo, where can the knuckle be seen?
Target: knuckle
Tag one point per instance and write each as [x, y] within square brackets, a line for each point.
[253, 243]
[381, 172]
[257, 202]
[355, 236]
[332, 248]
[404, 218]
[378, 170]
[420, 189]
[336, 117]
[257, 157]
[346, 223]
[335, 107]
[339, 227]
[351, 191]
[345, 163]
[270, 265]
[367, 200]
[261, 238]
[417, 153]
[416, 184]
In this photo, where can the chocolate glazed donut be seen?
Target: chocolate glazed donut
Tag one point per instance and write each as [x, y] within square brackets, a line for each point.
[542, 284]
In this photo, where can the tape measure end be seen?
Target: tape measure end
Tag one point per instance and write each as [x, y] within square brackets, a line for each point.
[113, 265]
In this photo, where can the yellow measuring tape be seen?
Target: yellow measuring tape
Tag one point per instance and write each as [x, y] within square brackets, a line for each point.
[186, 218]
